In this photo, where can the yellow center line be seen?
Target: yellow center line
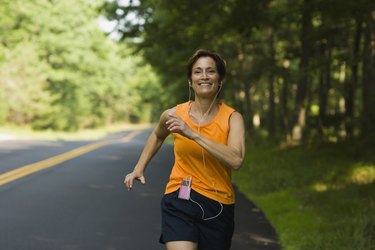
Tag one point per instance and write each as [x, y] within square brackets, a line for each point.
[53, 161]
[130, 136]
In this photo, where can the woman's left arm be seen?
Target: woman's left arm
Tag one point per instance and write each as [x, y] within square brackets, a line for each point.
[231, 155]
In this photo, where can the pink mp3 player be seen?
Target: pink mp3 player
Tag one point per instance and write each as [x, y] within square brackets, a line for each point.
[185, 188]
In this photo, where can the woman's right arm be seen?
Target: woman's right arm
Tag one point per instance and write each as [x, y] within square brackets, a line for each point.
[153, 144]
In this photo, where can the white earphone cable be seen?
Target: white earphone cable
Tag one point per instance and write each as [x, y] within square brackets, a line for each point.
[204, 163]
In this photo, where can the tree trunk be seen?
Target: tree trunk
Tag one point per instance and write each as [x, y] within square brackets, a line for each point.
[284, 124]
[248, 109]
[352, 83]
[299, 116]
[271, 89]
[324, 85]
[244, 68]
[368, 114]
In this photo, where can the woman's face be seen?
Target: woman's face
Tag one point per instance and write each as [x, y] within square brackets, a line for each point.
[205, 77]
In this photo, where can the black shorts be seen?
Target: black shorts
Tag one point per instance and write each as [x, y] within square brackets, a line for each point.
[182, 221]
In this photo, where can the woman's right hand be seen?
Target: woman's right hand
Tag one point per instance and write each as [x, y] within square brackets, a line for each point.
[135, 175]
[154, 141]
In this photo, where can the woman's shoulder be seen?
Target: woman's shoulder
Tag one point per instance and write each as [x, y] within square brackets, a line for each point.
[179, 106]
[182, 107]
[166, 112]
[178, 109]
[184, 104]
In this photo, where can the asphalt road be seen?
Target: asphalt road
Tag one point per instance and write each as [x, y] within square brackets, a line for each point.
[81, 204]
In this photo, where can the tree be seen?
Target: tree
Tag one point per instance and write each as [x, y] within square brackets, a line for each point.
[23, 82]
[307, 52]
[59, 71]
[368, 115]
[300, 109]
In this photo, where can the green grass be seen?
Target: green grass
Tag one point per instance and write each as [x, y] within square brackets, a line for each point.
[318, 196]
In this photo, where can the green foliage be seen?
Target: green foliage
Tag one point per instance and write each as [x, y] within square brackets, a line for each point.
[60, 72]
[318, 196]
[285, 58]
[23, 81]
[308, 53]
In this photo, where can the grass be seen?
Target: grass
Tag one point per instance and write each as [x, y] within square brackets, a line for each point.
[319, 196]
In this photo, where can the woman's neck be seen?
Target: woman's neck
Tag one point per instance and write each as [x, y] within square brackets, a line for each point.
[203, 108]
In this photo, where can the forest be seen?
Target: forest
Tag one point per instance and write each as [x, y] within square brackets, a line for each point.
[60, 72]
[299, 70]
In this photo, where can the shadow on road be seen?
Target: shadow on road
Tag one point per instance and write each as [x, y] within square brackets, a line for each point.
[253, 231]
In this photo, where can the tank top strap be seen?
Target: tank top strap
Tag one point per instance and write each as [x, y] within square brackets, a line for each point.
[224, 115]
[182, 110]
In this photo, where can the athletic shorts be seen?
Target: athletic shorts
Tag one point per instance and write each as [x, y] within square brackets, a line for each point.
[182, 221]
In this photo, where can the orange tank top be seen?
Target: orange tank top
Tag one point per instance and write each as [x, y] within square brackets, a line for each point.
[209, 177]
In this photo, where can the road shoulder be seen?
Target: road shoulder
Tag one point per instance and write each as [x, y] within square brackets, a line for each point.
[253, 230]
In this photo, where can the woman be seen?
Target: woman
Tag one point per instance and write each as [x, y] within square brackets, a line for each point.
[198, 205]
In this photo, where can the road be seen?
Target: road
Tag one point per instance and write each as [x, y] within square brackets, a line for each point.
[70, 196]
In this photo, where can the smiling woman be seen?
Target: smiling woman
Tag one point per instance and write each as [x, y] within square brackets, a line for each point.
[206, 69]
[205, 77]
[209, 144]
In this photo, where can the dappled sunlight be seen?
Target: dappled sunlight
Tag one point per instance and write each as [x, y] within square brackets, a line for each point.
[358, 175]
[363, 175]
[323, 187]
[314, 194]
[320, 187]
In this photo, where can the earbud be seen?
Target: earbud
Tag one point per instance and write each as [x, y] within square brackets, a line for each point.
[190, 84]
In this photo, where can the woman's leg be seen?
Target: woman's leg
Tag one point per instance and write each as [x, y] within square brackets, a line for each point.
[181, 245]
